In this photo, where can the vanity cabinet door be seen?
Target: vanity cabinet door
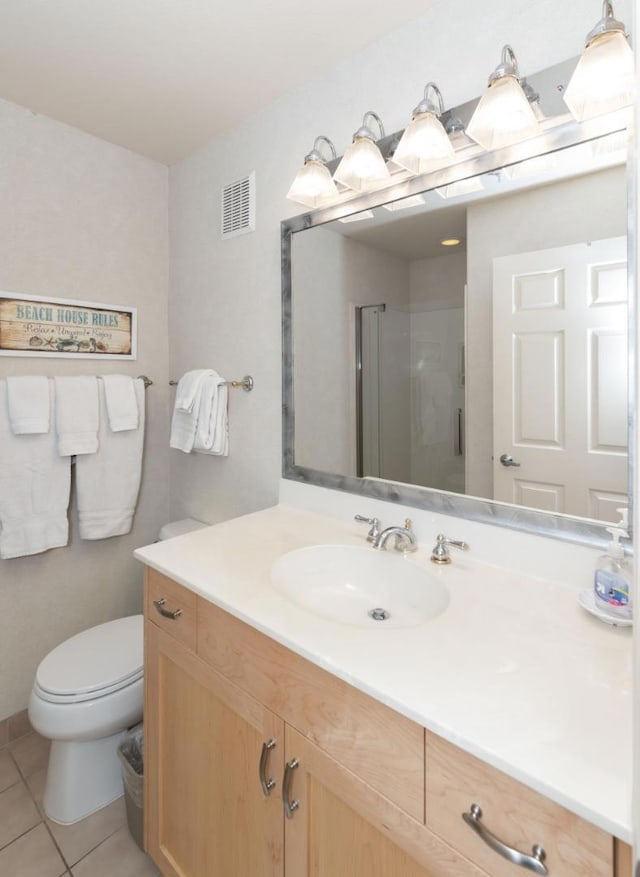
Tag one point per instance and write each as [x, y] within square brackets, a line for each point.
[206, 812]
[341, 827]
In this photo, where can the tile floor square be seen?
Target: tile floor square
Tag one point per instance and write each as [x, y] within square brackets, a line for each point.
[119, 855]
[32, 855]
[18, 813]
[9, 775]
[31, 753]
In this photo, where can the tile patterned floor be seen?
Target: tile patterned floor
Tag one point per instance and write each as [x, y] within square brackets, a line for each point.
[33, 846]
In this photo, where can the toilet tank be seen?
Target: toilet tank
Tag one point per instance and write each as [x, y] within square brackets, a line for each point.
[179, 528]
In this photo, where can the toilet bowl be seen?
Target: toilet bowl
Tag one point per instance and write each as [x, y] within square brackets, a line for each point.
[87, 692]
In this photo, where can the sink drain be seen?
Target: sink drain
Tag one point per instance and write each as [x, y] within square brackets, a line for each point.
[379, 614]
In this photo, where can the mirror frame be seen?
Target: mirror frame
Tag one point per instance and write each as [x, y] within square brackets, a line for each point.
[572, 529]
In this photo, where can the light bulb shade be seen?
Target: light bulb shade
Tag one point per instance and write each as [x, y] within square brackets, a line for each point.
[313, 185]
[540, 164]
[461, 187]
[603, 81]
[424, 146]
[362, 167]
[503, 116]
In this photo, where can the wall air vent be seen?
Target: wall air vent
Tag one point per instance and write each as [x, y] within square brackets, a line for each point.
[239, 207]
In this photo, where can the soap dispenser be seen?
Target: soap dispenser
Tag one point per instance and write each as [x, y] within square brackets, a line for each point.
[612, 580]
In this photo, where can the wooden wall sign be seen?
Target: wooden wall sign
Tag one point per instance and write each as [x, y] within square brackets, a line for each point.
[31, 325]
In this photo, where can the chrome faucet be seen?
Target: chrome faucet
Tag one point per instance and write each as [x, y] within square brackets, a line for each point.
[404, 536]
[374, 529]
[440, 553]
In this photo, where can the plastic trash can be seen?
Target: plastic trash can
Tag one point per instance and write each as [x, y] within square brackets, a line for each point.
[131, 755]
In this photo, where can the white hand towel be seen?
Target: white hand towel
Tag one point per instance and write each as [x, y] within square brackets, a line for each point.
[76, 415]
[212, 432]
[29, 404]
[107, 483]
[185, 420]
[189, 388]
[120, 398]
[34, 489]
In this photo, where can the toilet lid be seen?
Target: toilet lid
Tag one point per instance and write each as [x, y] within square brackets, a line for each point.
[99, 660]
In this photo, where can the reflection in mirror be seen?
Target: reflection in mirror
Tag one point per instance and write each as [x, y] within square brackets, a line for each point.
[476, 341]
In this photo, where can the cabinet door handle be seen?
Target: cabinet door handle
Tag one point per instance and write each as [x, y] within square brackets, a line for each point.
[534, 862]
[267, 784]
[166, 613]
[289, 806]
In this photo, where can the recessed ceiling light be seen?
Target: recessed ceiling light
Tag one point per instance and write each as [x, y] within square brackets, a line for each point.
[450, 242]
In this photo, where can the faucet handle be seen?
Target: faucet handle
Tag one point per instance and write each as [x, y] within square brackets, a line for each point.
[440, 553]
[374, 530]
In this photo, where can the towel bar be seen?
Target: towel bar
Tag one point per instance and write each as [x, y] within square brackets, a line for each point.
[246, 383]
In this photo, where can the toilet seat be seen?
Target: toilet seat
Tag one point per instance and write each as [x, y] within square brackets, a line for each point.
[94, 663]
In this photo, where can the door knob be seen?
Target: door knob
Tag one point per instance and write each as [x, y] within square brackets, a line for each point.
[507, 460]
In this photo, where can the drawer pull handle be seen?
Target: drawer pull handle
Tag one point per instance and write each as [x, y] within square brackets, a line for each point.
[166, 613]
[289, 806]
[534, 862]
[267, 784]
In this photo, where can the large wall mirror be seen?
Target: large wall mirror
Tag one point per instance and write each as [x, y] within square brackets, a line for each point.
[465, 348]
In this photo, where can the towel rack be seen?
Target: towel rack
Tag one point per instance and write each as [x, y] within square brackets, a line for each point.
[246, 383]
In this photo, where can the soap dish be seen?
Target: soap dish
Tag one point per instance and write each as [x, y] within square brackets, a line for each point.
[587, 600]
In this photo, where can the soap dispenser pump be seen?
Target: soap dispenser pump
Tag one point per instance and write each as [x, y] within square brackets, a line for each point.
[612, 580]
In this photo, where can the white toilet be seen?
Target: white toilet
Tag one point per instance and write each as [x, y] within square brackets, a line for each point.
[87, 692]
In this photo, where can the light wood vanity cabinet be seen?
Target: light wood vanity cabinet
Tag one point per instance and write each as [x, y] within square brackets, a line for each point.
[371, 794]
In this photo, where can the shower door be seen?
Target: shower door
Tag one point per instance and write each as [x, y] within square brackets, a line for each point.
[382, 392]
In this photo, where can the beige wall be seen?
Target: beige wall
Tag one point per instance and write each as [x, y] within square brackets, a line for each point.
[81, 219]
[331, 275]
[225, 295]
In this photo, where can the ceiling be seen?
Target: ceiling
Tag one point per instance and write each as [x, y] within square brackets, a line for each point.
[161, 77]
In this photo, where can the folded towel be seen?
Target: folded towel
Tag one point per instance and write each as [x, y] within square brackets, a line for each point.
[107, 483]
[76, 410]
[185, 419]
[212, 431]
[120, 398]
[29, 404]
[189, 388]
[34, 490]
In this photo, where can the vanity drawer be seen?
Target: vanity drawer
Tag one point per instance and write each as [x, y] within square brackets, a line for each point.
[518, 816]
[383, 748]
[177, 614]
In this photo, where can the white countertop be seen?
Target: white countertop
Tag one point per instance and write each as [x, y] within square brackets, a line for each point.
[514, 671]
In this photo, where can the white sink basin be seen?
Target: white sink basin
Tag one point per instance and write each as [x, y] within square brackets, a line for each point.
[359, 586]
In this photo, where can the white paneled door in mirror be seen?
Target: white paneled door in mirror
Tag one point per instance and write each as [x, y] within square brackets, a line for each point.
[560, 379]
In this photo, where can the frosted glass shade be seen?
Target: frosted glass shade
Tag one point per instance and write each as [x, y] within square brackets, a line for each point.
[313, 185]
[503, 116]
[406, 203]
[362, 167]
[604, 79]
[424, 146]
[460, 187]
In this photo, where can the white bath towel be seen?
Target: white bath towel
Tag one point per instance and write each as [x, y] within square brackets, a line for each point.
[29, 404]
[34, 489]
[108, 482]
[120, 398]
[76, 409]
[186, 409]
[189, 388]
[212, 431]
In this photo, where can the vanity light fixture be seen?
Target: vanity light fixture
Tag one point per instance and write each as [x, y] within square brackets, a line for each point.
[362, 167]
[461, 187]
[358, 217]
[405, 203]
[603, 81]
[313, 184]
[425, 146]
[504, 115]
